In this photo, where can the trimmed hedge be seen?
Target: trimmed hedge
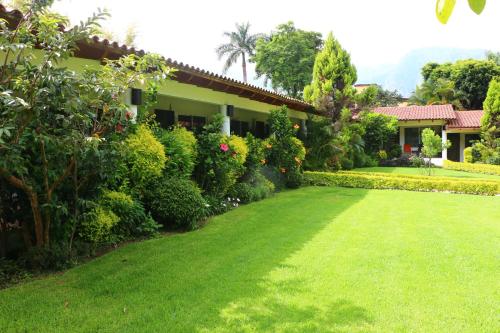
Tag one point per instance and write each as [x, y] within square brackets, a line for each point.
[400, 182]
[488, 169]
[401, 175]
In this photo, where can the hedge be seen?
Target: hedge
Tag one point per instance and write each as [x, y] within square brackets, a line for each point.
[397, 182]
[488, 169]
[401, 175]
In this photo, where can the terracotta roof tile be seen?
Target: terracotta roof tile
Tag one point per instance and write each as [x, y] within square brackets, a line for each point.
[416, 112]
[466, 119]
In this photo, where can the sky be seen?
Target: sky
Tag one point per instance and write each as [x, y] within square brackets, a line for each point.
[375, 32]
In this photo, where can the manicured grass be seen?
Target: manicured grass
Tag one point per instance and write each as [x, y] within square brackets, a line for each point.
[309, 260]
[435, 171]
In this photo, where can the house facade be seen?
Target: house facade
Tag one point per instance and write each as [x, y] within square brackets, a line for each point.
[461, 128]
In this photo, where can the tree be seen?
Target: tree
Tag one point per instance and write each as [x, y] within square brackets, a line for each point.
[333, 78]
[432, 145]
[493, 56]
[380, 131]
[490, 123]
[241, 44]
[375, 95]
[444, 8]
[465, 80]
[286, 58]
[57, 125]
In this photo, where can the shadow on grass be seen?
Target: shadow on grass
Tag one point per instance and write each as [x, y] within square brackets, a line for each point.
[211, 280]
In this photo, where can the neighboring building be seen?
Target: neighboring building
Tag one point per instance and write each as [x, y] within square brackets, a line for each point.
[459, 127]
[193, 95]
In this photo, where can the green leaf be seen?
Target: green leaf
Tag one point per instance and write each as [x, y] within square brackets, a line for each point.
[444, 8]
[477, 6]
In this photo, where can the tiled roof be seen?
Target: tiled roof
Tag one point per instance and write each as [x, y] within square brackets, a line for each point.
[99, 49]
[415, 112]
[466, 119]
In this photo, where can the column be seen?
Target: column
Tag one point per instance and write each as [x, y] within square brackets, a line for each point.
[462, 147]
[444, 138]
[402, 137]
[226, 125]
[303, 127]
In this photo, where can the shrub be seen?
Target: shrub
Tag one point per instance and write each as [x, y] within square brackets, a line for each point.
[402, 161]
[239, 147]
[402, 182]
[180, 150]
[285, 152]
[11, 273]
[473, 167]
[218, 164]
[395, 151]
[417, 161]
[379, 131]
[97, 225]
[175, 202]
[256, 189]
[256, 157]
[468, 155]
[144, 156]
[133, 218]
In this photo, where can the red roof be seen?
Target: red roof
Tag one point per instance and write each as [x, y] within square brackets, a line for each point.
[466, 119]
[416, 112]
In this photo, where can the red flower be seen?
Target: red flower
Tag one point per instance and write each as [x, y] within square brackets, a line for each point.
[128, 115]
[224, 147]
[119, 128]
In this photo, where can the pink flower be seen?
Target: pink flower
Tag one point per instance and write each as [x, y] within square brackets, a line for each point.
[224, 147]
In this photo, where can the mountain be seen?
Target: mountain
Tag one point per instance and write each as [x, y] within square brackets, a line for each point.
[405, 75]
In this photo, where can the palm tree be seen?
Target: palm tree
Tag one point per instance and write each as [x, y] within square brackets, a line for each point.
[241, 43]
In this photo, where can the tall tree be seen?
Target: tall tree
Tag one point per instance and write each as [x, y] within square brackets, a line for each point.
[375, 95]
[241, 44]
[331, 88]
[469, 80]
[286, 58]
[493, 56]
[440, 91]
[490, 123]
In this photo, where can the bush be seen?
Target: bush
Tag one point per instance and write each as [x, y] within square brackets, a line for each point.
[175, 202]
[239, 148]
[144, 156]
[402, 182]
[417, 161]
[473, 167]
[133, 218]
[402, 161]
[285, 152]
[11, 273]
[468, 155]
[379, 131]
[395, 151]
[218, 164]
[180, 150]
[97, 225]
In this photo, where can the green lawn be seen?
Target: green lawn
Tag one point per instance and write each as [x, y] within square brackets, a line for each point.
[420, 171]
[309, 260]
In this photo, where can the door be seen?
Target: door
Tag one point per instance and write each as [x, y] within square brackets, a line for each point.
[454, 150]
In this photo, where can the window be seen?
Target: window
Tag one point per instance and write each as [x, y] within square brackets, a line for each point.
[239, 127]
[261, 129]
[166, 118]
[192, 123]
[470, 139]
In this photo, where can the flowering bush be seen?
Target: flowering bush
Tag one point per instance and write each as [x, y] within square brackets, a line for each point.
[285, 152]
[220, 159]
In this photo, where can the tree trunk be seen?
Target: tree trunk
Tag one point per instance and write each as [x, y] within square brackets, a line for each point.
[244, 65]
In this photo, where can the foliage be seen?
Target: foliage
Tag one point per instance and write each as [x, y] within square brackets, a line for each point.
[444, 8]
[133, 221]
[218, 165]
[241, 44]
[402, 182]
[322, 149]
[60, 128]
[333, 76]
[490, 122]
[254, 189]
[97, 225]
[286, 58]
[493, 56]
[285, 152]
[468, 155]
[175, 202]
[379, 132]
[473, 167]
[144, 156]
[11, 273]
[180, 150]
[432, 145]
[256, 157]
[239, 147]
[463, 83]
[417, 161]
[374, 95]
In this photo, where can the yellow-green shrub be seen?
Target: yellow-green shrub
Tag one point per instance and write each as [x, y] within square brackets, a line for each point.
[468, 155]
[144, 156]
[180, 149]
[489, 169]
[400, 182]
[239, 146]
[96, 226]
